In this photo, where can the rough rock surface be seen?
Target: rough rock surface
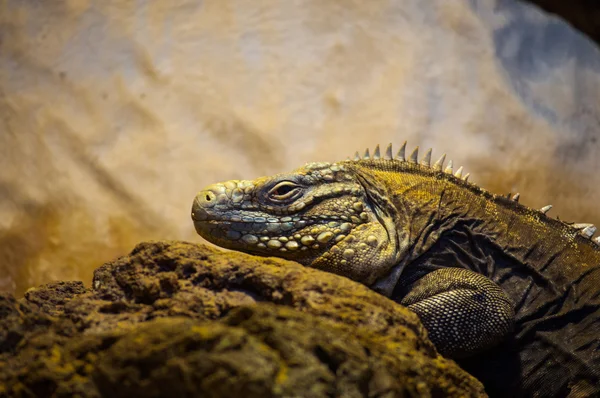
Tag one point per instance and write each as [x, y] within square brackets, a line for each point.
[178, 319]
[113, 113]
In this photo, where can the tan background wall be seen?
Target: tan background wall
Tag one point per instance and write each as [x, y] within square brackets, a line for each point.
[113, 113]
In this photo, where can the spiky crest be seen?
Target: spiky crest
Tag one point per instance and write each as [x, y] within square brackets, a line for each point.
[586, 230]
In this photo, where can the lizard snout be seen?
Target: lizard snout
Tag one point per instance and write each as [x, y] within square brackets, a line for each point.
[198, 209]
[219, 197]
[207, 199]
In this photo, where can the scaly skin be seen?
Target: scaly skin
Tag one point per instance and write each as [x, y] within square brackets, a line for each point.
[479, 269]
[328, 224]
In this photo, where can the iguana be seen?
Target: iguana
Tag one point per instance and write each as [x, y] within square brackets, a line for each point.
[510, 293]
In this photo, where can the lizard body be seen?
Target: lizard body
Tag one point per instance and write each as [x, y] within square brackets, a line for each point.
[496, 284]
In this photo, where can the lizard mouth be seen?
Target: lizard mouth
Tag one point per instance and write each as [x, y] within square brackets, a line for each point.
[258, 232]
[204, 218]
[267, 235]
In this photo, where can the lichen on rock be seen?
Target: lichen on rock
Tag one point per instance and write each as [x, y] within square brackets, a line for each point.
[180, 319]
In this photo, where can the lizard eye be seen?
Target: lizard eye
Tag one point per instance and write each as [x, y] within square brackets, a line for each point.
[285, 190]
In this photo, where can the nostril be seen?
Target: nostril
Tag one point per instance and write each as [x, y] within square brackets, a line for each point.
[209, 196]
[206, 199]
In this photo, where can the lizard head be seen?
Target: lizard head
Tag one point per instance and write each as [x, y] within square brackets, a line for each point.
[322, 215]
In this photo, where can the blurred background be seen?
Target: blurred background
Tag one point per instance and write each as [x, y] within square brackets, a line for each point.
[114, 113]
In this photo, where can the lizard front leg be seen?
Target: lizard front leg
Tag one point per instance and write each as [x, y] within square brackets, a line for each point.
[463, 311]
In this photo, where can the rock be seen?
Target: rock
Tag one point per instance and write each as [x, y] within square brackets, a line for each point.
[207, 283]
[179, 319]
[18, 319]
[53, 296]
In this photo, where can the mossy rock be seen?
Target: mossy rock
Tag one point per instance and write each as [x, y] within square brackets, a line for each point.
[179, 319]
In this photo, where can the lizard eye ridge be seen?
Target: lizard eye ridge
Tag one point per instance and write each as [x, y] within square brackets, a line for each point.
[285, 191]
